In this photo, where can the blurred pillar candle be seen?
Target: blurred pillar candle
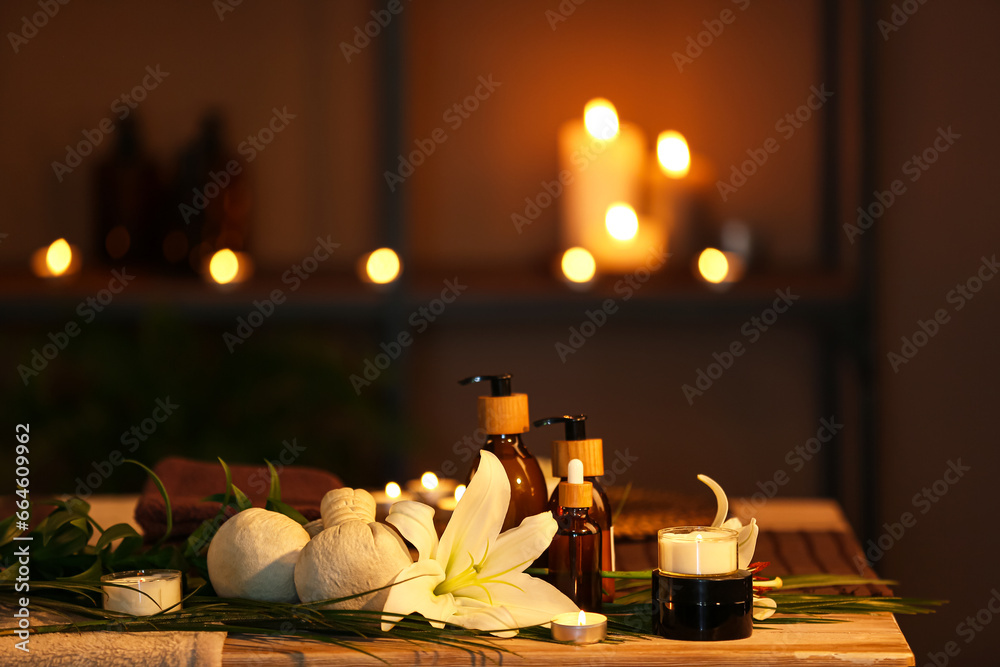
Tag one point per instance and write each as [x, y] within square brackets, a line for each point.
[601, 163]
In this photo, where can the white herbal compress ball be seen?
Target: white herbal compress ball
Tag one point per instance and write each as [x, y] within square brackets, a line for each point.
[253, 556]
[352, 554]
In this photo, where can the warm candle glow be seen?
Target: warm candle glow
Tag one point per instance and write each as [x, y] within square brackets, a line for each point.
[429, 481]
[582, 620]
[392, 490]
[224, 266]
[713, 265]
[58, 257]
[601, 118]
[382, 266]
[459, 492]
[673, 153]
[578, 265]
[621, 222]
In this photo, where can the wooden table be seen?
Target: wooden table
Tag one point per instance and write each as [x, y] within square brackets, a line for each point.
[798, 536]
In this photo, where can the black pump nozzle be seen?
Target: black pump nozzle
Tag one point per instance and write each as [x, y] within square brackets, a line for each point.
[576, 428]
[499, 384]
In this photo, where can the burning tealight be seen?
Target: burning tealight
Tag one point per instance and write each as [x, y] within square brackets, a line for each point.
[621, 222]
[459, 492]
[578, 265]
[392, 490]
[162, 589]
[56, 259]
[673, 154]
[429, 481]
[697, 550]
[580, 628]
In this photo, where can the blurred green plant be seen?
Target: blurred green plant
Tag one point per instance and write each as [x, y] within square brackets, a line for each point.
[288, 381]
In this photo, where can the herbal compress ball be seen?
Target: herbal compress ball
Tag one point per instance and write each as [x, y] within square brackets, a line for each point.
[253, 556]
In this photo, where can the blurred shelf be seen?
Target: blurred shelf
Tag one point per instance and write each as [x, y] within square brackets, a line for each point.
[481, 295]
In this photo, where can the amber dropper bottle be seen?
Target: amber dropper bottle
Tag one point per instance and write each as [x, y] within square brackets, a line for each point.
[590, 451]
[575, 552]
[504, 417]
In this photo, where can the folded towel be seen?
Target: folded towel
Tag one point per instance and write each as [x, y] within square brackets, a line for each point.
[109, 648]
[188, 482]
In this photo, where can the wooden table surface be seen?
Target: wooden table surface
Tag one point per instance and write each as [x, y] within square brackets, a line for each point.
[798, 536]
[803, 536]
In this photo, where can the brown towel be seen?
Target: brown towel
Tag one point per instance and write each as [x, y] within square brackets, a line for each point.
[188, 481]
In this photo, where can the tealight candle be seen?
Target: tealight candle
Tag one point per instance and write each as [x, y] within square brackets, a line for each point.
[163, 586]
[384, 500]
[429, 489]
[697, 550]
[580, 628]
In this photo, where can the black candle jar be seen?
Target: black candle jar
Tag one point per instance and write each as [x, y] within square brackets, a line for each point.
[703, 607]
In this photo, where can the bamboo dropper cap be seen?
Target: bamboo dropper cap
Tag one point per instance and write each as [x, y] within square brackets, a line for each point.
[575, 492]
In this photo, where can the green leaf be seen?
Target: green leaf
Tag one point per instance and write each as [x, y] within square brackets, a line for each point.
[286, 509]
[115, 532]
[242, 502]
[92, 573]
[166, 500]
[275, 492]
[229, 482]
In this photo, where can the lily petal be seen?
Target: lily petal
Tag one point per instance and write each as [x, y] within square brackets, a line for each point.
[746, 544]
[763, 608]
[415, 522]
[477, 518]
[415, 593]
[529, 600]
[517, 548]
[477, 615]
[720, 498]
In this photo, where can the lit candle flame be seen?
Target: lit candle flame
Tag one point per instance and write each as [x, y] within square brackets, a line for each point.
[600, 118]
[382, 266]
[621, 222]
[429, 481]
[578, 265]
[58, 257]
[713, 265]
[392, 490]
[224, 266]
[582, 620]
[459, 492]
[673, 154]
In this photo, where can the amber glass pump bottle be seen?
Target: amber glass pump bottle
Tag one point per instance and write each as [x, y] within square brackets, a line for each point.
[504, 417]
[575, 552]
[590, 451]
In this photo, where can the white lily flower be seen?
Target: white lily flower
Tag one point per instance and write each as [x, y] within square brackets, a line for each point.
[746, 540]
[474, 577]
[763, 608]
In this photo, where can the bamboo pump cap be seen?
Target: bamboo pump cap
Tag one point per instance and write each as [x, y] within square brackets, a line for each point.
[575, 492]
[577, 445]
[502, 412]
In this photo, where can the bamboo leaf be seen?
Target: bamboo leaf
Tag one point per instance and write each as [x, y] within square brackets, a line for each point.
[117, 531]
[166, 500]
[274, 494]
[286, 509]
[91, 573]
